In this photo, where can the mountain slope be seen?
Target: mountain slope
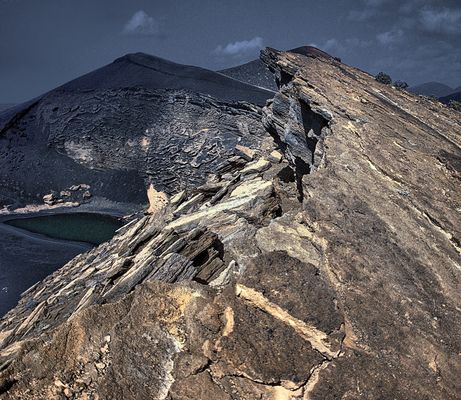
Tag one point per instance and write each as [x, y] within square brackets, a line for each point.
[436, 89]
[254, 73]
[4, 107]
[145, 71]
[456, 96]
[124, 126]
[257, 73]
[333, 273]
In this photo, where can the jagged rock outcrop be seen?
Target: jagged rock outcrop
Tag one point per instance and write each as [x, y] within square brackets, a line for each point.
[136, 121]
[334, 273]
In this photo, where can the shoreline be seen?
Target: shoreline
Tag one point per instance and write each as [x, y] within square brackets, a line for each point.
[97, 206]
[27, 257]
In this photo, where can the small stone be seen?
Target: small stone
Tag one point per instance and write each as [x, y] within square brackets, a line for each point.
[87, 194]
[100, 365]
[178, 198]
[92, 372]
[255, 167]
[49, 199]
[85, 379]
[228, 177]
[107, 338]
[275, 157]
[65, 193]
[68, 393]
[245, 152]
[213, 178]
[58, 383]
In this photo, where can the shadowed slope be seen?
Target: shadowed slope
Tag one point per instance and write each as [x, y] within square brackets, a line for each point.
[436, 89]
[145, 71]
[256, 72]
[123, 126]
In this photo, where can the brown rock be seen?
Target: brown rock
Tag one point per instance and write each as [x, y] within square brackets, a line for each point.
[275, 156]
[49, 199]
[260, 165]
[158, 201]
[245, 152]
[65, 193]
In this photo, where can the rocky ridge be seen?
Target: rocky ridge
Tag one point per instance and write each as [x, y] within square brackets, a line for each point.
[331, 273]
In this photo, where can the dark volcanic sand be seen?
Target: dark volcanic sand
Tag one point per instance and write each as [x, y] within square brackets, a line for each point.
[26, 258]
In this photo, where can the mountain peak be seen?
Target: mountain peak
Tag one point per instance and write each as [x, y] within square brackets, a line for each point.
[310, 51]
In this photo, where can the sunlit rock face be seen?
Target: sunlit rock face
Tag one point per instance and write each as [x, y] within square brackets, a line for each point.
[333, 272]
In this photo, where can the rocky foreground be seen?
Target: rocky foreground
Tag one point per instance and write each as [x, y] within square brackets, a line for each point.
[332, 272]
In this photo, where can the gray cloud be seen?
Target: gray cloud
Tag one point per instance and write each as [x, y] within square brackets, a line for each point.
[342, 47]
[332, 45]
[390, 37]
[368, 10]
[443, 21]
[375, 3]
[361, 15]
[240, 48]
[142, 24]
[358, 43]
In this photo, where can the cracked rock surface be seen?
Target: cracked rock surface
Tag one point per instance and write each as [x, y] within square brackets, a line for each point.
[333, 273]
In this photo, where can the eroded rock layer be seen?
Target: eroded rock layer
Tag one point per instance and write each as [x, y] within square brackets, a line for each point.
[331, 273]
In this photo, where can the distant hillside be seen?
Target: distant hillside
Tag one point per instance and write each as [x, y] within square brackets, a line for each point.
[254, 72]
[452, 97]
[436, 89]
[5, 106]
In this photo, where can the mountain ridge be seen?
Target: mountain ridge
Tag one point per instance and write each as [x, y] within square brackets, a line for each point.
[184, 78]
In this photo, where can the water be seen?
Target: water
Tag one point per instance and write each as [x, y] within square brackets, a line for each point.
[80, 227]
[42, 245]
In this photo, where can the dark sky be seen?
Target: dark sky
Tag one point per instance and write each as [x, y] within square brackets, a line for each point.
[44, 43]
